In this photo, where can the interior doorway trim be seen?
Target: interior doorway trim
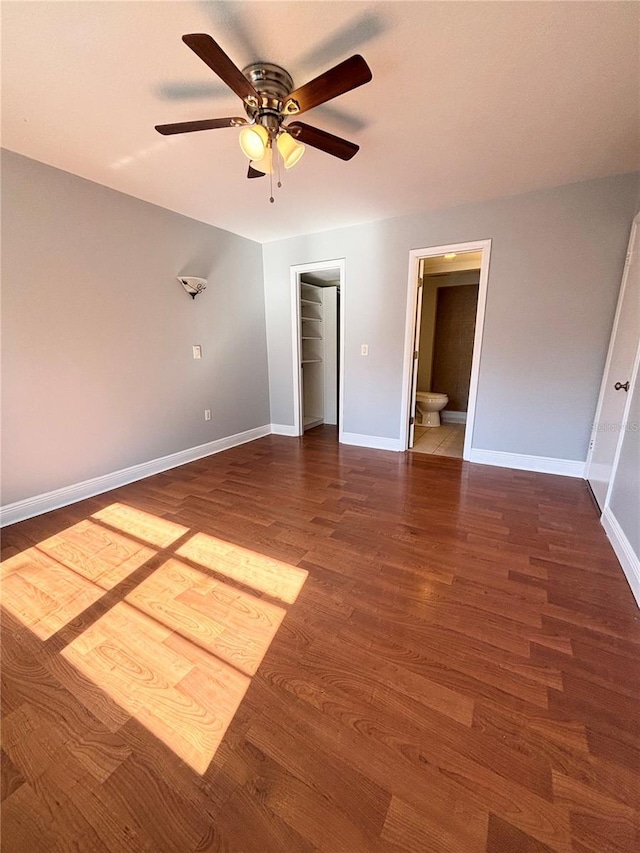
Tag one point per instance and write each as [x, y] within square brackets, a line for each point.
[415, 255]
[607, 368]
[296, 271]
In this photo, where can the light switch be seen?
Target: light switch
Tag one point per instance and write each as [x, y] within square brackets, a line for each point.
[197, 351]
[364, 349]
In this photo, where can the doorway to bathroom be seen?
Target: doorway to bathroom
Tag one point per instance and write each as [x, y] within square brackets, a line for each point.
[317, 290]
[445, 316]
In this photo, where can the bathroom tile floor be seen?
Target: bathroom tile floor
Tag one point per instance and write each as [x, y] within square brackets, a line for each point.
[445, 440]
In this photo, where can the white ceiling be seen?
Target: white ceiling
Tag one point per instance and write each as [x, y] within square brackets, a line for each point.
[469, 101]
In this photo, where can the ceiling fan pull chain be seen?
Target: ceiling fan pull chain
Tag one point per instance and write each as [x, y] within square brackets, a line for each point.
[278, 162]
[271, 174]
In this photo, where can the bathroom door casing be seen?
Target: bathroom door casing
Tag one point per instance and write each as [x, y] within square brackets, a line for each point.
[416, 351]
[609, 425]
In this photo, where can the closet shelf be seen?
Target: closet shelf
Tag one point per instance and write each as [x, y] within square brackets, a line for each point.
[312, 337]
[311, 360]
[310, 302]
[313, 319]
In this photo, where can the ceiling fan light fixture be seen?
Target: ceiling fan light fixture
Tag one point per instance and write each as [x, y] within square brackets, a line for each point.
[290, 150]
[253, 141]
[265, 163]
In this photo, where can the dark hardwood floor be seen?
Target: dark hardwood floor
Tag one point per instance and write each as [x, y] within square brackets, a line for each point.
[460, 670]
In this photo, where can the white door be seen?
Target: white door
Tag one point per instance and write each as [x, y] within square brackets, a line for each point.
[416, 351]
[608, 426]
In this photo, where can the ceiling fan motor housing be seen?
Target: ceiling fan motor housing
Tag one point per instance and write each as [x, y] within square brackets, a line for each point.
[273, 84]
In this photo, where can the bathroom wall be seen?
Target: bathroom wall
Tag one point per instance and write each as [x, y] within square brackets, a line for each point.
[428, 320]
[453, 343]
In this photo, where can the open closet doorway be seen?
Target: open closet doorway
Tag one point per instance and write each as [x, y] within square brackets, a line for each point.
[445, 315]
[317, 291]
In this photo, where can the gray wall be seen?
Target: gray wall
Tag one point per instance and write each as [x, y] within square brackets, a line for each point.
[97, 365]
[625, 494]
[556, 262]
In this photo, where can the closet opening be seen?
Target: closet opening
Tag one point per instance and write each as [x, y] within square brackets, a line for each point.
[317, 293]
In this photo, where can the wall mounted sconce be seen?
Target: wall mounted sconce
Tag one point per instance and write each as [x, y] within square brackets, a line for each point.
[192, 285]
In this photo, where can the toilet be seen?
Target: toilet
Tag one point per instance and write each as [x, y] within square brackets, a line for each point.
[430, 404]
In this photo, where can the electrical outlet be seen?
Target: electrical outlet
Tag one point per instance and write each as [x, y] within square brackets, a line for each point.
[207, 414]
[197, 351]
[364, 349]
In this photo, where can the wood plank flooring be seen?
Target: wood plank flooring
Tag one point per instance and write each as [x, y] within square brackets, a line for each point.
[298, 646]
[230, 624]
[183, 695]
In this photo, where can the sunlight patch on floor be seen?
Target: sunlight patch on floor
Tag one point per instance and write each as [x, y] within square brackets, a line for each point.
[44, 595]
[177, 654]
[142, 525]
[234, 626]
[97, 553]
[277, 579]
[184, 696]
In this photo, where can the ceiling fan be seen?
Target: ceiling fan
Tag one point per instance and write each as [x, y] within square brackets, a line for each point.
[269, 99]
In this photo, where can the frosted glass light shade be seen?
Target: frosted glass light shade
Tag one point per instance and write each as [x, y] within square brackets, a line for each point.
[264, 164]
[291, 150]
[253, 141]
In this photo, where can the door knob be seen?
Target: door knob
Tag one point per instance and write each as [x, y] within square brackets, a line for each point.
[620, 385]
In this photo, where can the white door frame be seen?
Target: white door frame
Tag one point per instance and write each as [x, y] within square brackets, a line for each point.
[296, 271]
[414, 372]
[607, 367]
[635, 371]
[415, 256]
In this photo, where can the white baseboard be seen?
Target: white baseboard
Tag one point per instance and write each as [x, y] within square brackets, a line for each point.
[283, 429]
[373, 441]
[453, 417]
[20, 510]
[629, 560]
[522, 462]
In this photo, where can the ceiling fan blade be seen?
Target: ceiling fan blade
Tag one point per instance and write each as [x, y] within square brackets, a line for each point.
[316, 138]
[254, 173]
[350, 74]
[214, 56]
[205, 124]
